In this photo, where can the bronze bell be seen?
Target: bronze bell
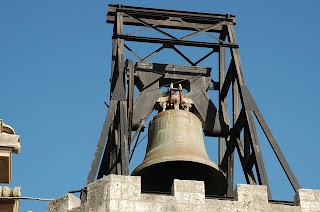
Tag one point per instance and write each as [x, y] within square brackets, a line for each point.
[176, 151]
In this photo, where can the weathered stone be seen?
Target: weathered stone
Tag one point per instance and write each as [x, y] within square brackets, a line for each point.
[16, 192]
[98, 193]
[130, 191]
[157, 198]
[6, 191]
[308, 199]
[114, 204]
[126, 205]
[8, 139]
[191, 192]
[116, 193]
[64, 203]
[188, 186]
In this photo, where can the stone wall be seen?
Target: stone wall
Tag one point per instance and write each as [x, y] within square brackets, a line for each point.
[123, 193]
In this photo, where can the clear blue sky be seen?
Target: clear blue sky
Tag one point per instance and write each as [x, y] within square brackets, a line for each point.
[55, 64]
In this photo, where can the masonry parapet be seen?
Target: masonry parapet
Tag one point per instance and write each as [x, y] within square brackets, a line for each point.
[116, 193]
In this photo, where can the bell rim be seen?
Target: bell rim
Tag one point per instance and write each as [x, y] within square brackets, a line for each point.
[164, 159]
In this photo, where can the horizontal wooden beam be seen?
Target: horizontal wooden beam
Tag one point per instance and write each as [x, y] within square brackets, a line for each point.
[215, 46]
[167, 23]
[162, 14]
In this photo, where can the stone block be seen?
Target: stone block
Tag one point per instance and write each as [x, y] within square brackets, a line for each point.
[191, 208]
[97, 195]
[147, 206]
[144, 206]
[122, 187]
[113, 190]
[255, 194]
[156, 203]
[64, 203]
[126, 205]
[81, 208]
[191, 186]
[187, 191]
[222, 205]
[308, 199]
[308, 195]
[189, 198]
[109, 189]
[113, 204]
[130, 191]
[157, 198]
[284, 208]
[123, 178]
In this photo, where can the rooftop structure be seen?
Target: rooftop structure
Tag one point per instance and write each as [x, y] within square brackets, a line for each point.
[9, 143]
